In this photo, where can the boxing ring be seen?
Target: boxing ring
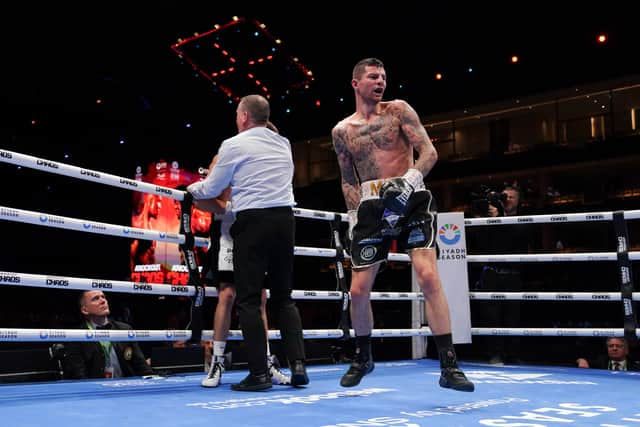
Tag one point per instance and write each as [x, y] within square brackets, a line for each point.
[403, 392]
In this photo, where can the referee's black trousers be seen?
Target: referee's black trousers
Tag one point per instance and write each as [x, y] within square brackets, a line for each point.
[263, 241]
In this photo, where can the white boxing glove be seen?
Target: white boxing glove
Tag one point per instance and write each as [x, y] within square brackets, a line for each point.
[228, 213]
[352, 215]
[415, 178]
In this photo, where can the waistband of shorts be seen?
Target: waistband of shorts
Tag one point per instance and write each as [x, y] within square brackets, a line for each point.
[371, 189]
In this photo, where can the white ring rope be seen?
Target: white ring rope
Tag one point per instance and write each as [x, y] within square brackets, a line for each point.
[61, 282]
[117, 181]
[554, 218]
[88, 174]
[56, 221]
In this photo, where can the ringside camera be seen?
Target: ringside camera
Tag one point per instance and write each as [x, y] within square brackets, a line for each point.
[487, 197]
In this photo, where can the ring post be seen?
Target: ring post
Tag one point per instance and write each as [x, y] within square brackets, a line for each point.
[342, 283]
[625, 275]
[197, 300]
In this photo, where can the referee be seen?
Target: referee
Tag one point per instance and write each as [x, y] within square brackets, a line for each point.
[258, 166]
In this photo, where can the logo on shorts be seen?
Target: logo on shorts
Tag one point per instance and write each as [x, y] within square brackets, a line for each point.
[368, 252]
[449, 234]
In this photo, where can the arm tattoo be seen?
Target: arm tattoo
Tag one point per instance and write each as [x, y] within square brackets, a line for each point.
[350, 185]
[418, 138]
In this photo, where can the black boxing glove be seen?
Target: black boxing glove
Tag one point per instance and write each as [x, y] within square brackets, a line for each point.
[395, 192]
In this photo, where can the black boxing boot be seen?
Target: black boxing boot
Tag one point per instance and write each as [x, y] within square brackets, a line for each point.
[450, 375]
[361, 365]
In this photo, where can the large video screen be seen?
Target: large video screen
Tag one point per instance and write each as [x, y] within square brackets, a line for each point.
[161, 262]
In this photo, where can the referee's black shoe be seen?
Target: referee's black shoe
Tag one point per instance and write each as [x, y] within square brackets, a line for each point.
[299, 373]
[253, 382]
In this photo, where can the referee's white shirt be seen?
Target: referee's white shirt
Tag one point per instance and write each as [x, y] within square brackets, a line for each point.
[258, 165]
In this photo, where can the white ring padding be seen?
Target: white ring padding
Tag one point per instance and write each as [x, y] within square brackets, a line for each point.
[67, 223]
[11, 278]
[331, 253]
[585, 256]
[86, 284]
[65, 335]
[86, 335]
[552, 332]
[337, 295]
[551, 296]
[554, 218]
[324, 215]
